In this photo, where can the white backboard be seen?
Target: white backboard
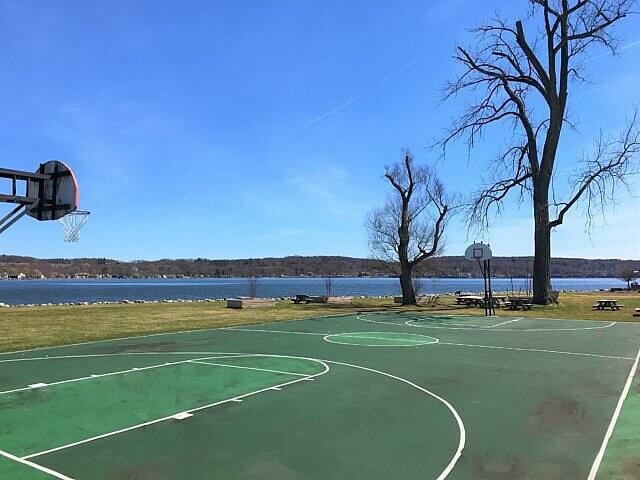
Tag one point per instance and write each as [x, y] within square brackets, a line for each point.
[478, 251]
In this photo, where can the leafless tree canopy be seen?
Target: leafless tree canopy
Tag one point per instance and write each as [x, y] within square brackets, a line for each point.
[523, 78]
[428, 206]
[519, 76]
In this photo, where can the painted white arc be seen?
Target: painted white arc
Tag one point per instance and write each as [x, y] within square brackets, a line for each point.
[443, 475]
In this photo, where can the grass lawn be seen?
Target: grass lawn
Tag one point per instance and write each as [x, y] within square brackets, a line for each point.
[29, 327]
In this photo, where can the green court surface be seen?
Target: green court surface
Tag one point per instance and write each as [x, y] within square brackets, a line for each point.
[377, 396]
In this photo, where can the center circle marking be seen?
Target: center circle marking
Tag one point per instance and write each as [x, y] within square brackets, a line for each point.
[381, 339]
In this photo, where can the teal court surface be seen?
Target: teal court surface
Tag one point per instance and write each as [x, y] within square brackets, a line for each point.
[375, 396]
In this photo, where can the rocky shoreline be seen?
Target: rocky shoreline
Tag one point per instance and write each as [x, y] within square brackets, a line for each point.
[274, 299]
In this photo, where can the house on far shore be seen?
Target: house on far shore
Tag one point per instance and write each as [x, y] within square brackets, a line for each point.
[20, 276]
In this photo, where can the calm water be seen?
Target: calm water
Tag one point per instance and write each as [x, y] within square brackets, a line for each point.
[62, 291]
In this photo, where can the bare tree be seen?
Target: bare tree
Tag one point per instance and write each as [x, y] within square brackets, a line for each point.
[409, 227]
[628, 275]
[520, 75]
[418, 286]
[252, 286]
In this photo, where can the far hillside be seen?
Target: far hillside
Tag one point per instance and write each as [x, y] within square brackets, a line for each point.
[27, 267]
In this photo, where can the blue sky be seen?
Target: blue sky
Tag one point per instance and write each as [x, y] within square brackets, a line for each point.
[261, 128]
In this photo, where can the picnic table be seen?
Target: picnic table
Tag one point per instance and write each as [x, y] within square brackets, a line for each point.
[516, 303]
[478, 301]
[605, 304]
[469, 300]
[301, 299]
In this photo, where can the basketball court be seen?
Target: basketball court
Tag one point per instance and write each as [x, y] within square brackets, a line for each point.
[379, 396]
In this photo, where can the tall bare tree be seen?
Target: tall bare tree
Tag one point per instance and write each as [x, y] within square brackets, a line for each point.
[521, 74]
[409, 228]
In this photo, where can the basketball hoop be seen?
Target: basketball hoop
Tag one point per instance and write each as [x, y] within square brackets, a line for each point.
[72, 223]
[50, 193]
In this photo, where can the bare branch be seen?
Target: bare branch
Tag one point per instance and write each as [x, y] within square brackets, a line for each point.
[611, 163]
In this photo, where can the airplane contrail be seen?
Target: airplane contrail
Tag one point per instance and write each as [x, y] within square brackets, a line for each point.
[380, 81]
[331, 112]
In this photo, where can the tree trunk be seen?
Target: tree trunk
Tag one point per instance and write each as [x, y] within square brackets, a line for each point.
[406, 283]
[542, 247]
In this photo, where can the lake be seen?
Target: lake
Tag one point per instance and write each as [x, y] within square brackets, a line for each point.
[16, 292]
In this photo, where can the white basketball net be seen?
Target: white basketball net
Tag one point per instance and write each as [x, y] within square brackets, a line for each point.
[72, 223]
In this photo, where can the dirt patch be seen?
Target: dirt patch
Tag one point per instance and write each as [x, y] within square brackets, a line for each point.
[138, 473]
[632, 468]
[598, 389]
[555, 413]
[161, 346]
[507, 468]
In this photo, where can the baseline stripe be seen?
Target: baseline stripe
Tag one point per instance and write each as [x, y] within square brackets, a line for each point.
[504, 323]
[100, 375]
[53, 473]
[607, 436]
[248, 368]
[267, 331]
[537, 350]
[343, 335]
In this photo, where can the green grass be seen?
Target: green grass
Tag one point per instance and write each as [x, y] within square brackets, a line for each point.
[30, 327]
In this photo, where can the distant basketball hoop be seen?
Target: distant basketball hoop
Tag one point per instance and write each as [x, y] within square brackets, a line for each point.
[478, 251]
[481, 253]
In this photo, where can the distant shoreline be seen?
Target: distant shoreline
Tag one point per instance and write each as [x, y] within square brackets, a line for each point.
[446, 267]
[293, 277]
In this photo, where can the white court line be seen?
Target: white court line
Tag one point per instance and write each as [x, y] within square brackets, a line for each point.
[344, 334]
[462, 432]
[504, 323]
[212, 329]
[412, 323]
[367, 336]
[108, 374]
[46, 470]
[179, 332]
[96, 355]
[268, 331]
[248, 368]
[614, 420]
[171, 417]
[449, 467]
[538, 350]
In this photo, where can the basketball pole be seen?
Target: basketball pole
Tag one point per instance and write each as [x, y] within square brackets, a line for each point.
[492, 310]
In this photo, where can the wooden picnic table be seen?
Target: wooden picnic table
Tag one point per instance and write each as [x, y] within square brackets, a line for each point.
[605, 304]
[469, 300]
[516, 303]
[477, 300]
